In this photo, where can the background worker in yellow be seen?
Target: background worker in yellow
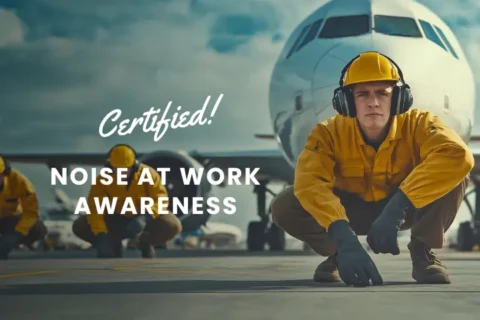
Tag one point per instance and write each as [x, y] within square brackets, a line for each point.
[106, 231]
[376, 168]
[19, 218]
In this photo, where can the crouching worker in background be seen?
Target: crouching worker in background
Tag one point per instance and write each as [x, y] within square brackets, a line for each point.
[19, 218]
[106, 231]
[375, 169]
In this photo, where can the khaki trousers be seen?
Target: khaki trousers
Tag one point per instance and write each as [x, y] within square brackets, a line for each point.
[156, 232]
[37, 232]
[427, 224]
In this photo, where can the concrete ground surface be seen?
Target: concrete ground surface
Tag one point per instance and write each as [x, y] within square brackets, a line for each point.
[225, 285]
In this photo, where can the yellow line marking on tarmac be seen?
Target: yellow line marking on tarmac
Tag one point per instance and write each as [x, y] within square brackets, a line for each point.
[132, 269]
[155, 261]
[192, 271]
[26, 274]
[276, 263]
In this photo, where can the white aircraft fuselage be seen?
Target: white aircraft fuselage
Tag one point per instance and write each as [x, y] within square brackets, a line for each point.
[309, 66]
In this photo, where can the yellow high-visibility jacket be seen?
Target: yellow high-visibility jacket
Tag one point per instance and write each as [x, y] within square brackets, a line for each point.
[420, 155]
[18, 197]
[135, 190]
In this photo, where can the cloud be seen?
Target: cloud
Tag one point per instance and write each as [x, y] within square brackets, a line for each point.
[11, 28]
[83, 59]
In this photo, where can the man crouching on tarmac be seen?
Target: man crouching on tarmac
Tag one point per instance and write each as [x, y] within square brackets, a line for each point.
[106, 231]
[19, 218]
[376, 168]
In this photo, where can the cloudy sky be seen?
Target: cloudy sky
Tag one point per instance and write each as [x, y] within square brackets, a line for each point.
[65, 64]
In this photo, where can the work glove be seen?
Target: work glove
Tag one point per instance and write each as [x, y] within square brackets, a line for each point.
[355, 266]
[104, 246]
[382, 236]
[8, 242]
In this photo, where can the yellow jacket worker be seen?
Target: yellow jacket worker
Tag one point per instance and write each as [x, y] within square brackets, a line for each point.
[106, 231]
[19, 218]
[376, 168]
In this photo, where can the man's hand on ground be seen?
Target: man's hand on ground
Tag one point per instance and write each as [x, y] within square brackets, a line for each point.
[382, 237]
[355, 266]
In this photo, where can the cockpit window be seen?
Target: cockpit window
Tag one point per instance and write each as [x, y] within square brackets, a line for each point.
[348, 26]
[397, 26]
[430, 34]
[299, 38]
[445, 40]
[312, 33]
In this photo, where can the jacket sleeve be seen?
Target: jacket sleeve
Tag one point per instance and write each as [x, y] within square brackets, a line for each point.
[158, 192]
[445, 160]
[314, 179]
[95, 219]
[29, 202]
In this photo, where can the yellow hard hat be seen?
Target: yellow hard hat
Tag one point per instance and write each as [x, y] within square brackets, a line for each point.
[121, 156]
[2, 165]
[371, 66]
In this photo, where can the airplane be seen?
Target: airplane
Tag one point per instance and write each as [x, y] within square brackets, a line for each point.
[58, 219]
[300, 95]
[213, 235]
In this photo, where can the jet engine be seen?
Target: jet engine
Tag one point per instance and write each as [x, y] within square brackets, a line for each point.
[176, 187]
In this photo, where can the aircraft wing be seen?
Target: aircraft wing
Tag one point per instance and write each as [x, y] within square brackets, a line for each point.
[271, 164]
[59, 159]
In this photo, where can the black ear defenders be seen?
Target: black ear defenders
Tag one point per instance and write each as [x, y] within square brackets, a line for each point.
[5, 167]
[343, 101]
[112, 156]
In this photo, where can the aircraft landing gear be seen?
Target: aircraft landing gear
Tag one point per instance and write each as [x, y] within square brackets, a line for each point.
[468, 235]
[264, 231]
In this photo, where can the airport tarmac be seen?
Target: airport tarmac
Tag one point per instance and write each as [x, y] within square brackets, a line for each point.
[226, 285]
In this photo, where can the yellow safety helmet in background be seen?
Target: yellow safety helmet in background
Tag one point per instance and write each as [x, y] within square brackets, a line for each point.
[121, 156]
[4, 166]
[371, 66]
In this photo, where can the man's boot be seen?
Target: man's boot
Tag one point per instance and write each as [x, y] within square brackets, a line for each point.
[427, 268]
[147, 250]
[327, 271]
[118, 249]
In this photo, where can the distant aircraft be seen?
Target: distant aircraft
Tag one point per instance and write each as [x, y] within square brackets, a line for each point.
[214, 235]
[301, 89]
[58, 218]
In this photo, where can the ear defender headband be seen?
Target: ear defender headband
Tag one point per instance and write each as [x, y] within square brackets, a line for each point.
[344, 103]
[122, 155]
[5, 167]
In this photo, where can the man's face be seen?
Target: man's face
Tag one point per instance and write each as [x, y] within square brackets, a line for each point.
[373, 101]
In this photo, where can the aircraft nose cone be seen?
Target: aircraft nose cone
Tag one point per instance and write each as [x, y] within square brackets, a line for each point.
[328, 70]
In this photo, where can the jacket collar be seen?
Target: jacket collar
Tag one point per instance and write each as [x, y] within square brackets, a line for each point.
[394, 133]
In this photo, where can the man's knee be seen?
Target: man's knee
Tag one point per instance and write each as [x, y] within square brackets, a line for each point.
[162, 229]
[454, 197]
[37, 232]
[281, 206]
[82, 230]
